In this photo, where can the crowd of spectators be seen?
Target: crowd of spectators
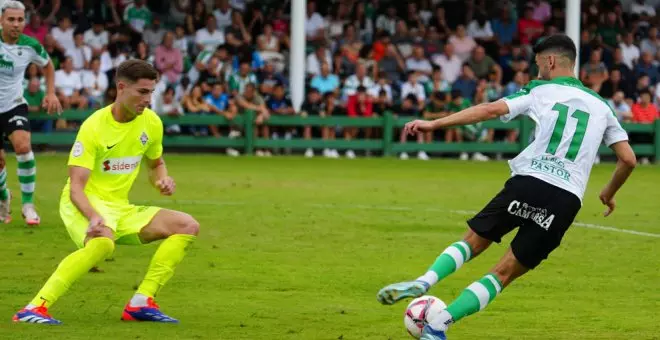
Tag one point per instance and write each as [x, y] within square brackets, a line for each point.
[426, 58]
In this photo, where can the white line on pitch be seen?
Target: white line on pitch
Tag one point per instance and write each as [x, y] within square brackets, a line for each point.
[389, 208]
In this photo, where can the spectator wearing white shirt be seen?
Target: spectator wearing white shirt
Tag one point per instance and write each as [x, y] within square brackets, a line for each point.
[68, 85]
[96, 38]
[222, 14]
[314, 23]
[381, 85]
[166, 105]
[315, 60]
[63, 34]
[80, 54]
[418, 62]
[630, 52]
[413, 87]
[480, 28]
[209, 38]
[620, 107]
[387, 22]
[356, 80]
[95, 83]
[641, 8]
[449, 62]
[111, 58]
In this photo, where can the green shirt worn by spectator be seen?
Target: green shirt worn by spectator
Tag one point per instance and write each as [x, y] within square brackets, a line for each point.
[609, 34]
[34, 99]
[139, 18]
[237, 82]
[472, 132]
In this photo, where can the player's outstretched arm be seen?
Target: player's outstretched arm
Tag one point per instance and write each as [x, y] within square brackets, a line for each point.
[79, 177]
[626, 162]
[51, 103]
[474, 114]
[159, 177]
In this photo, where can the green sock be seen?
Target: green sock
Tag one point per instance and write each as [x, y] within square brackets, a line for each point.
[27, 174]
[448, 262]
[4, 193]
[167, 257]
[475, 297]
[72, 268]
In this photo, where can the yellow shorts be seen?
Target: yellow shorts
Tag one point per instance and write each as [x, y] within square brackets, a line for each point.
[125, 220]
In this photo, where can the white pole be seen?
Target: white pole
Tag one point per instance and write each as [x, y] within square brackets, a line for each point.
[573, 28]
[297, 57]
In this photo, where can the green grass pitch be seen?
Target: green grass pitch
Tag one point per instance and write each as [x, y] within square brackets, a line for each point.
[293, 248]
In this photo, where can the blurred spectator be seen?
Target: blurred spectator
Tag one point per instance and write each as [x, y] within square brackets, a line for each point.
[389, 61]
[63, 34]
[417, 62]
[480, 30]
[168, 59]
[620, 107]
[466, 84]
[463, 43]
[381, 86]
[181, 41]
[483, 65]
[33, 71]
[315, 60]
[504, 28]
[211, 75]
[359, 104]
[194, 103]
[644, 112]
[541, 10]
[314, 23]
[68, 86]
[55, 54]
[251, 100]
[414, 88]
[223, 14]
[647, 66]
[36, 28]
[387, 21]
[209, 38]
[440, 23]
[111, 59]
[619, 64]
[237, 34]
[493, 89]
[651, 43]
[437, 83]
[449, 62]
[269, 77]
[610, 32]
[178, 10]
[80, 54]
[519, 80]
[410, 109]
[142, 53]
[643, 84]
[240, 79]
[326, 81]
[594, 73]
[639, 7]
[94, 83]
[278, 104]
[528, 27]
[34, 96]
[220, 104]
[629, 50]
[138, 16]
[97, 38]
[268, 45]
[313, 106]
[153, 34]
[615, 84]
[280, 24]
[356, 80]
[363, 23]
[166, 105]
[199, 18]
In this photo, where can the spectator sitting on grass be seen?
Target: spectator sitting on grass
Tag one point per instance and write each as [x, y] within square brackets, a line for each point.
[410, 108]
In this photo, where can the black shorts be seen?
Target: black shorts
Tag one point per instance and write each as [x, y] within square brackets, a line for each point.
[542, 211]
[13, 120]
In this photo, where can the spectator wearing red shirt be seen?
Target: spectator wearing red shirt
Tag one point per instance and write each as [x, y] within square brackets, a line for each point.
[36, 29]
[644, 112]
[358, 105]
[528, 28]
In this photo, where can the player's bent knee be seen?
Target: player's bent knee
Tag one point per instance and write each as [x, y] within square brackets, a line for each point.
[189, 226]
[99, 232]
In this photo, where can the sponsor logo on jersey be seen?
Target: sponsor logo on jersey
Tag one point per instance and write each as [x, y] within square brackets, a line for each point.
[6, 63]
[551, 165]
[538, 215]
[121, 166]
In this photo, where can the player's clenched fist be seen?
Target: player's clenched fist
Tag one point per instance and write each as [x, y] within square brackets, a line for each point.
[417, 126]
[166, 186]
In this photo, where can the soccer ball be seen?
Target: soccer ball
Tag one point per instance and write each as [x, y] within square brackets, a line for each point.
[417, 311]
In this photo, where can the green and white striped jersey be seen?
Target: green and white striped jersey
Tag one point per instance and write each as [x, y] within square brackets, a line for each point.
[14, 59]
[571, 122]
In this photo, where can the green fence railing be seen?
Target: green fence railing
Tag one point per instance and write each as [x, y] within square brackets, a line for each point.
[388, 143]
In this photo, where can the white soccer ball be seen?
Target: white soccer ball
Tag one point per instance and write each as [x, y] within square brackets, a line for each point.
[416, 313]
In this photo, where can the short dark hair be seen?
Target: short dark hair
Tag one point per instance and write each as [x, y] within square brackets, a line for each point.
[136, 69]
[557, 43]
[361, 89]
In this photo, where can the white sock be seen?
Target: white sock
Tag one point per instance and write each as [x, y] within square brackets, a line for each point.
[440, 321]
[138, 300]
[430, 277]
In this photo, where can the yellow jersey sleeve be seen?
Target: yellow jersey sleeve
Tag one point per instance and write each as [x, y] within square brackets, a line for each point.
[155, 128]
[84, 150]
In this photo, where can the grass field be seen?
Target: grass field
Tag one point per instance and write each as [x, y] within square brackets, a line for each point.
[293, 248]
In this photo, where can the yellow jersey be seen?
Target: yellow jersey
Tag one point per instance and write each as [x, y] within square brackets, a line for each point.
[113, 152]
